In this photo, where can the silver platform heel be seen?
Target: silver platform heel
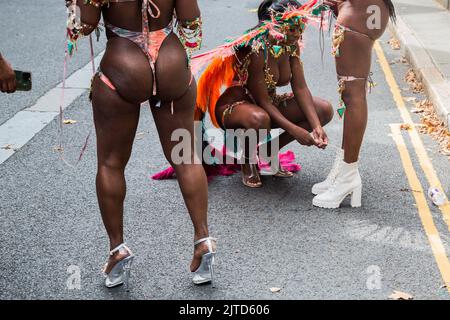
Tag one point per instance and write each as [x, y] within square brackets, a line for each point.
[205, 272]
[120, 273]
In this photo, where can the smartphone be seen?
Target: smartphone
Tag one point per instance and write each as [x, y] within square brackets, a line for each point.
[23, 80]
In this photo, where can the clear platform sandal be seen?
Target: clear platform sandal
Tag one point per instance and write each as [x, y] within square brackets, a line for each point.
[120, 273]
[205, 272]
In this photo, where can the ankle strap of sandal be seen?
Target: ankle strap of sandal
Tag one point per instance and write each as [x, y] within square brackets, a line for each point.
[204, 239]
[119, 247]
[208, 242]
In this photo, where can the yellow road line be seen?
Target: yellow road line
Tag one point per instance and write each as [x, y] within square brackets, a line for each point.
[417, 143]
[424, 211]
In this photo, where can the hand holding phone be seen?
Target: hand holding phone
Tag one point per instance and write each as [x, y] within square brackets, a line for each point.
[23, 80]
[7, 77]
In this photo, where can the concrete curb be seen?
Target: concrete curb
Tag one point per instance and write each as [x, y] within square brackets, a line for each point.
[436, 86]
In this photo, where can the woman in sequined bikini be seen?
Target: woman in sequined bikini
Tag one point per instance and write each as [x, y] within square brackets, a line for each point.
[251, 100]
[145, 60]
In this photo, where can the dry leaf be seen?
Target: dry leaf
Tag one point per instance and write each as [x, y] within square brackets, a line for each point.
[58, 149]
[445, 285]
[398, 295]
[407, 190]
[410, 99]
[414, 83]
[140, 135]
[398, 60]
[395, 44]
[69, 121]
[273, 290]
[432, 125]
[7, 147]
[416, 110]
[405, 126]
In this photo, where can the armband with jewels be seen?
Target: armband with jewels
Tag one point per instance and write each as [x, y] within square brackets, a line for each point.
[190, 33]
[76, 29]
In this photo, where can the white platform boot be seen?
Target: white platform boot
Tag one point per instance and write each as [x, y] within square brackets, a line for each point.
[348, 182]
[323, 186]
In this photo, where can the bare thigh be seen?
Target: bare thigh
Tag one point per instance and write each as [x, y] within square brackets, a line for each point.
[353, 62]
[245, 115]
[182, 118]
[115, 121]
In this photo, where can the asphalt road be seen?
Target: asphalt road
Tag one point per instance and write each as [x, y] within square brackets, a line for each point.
[271, 237]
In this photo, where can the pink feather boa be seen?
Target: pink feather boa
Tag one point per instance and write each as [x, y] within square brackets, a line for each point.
[287, 162]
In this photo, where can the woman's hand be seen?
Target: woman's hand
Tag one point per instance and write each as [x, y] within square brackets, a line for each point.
[320, 137]
[303, 137]
[7, 77]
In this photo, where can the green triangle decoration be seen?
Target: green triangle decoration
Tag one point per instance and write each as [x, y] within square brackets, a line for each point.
[70, 47]
[341, 112]
[276, 50]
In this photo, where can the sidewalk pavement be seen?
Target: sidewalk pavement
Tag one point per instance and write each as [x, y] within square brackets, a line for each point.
[423, 30]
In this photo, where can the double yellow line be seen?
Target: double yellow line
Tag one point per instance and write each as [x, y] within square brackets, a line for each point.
[426, 217]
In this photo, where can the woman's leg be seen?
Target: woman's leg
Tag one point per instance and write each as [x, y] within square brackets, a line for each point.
[357, 63]
[191, 176]
[246, 116]
[115, 121]
[353, 69]
[116, 116]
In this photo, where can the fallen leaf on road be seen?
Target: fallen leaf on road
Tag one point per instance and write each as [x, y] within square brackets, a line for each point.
[58, 149]
[445, 286]
[432, 125]
[405, 126]
[416, 110]
[408, 190]
[69, 121]
[395, 44]
[273, 290]
[398, 60]
[140, 135]
[398, 295]
[414, 83]
[7, 147]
